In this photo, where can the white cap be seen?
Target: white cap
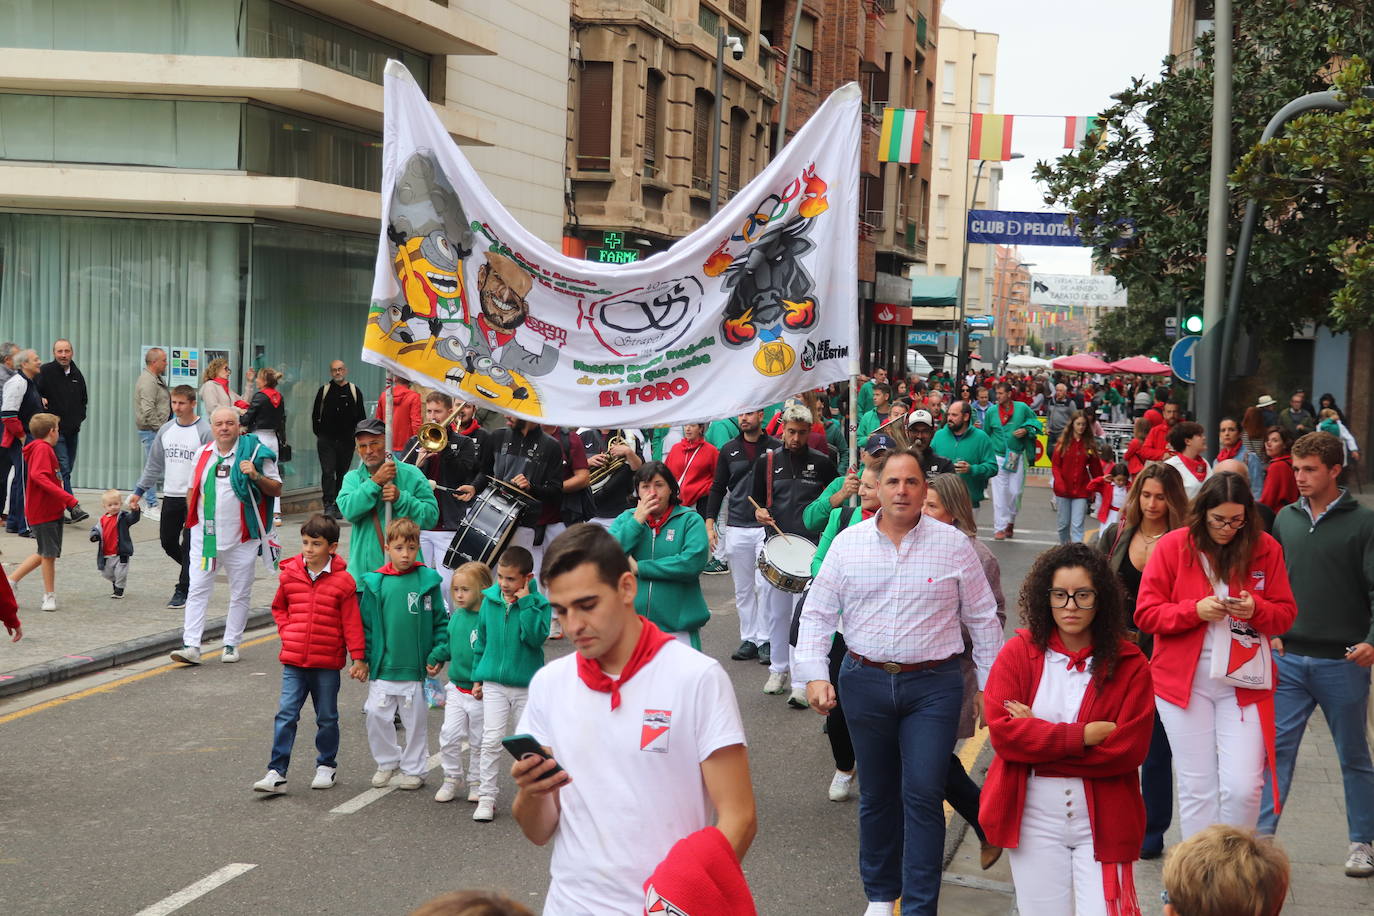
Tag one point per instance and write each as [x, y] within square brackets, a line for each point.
[920, 416]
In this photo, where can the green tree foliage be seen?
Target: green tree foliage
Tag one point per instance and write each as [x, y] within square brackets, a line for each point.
[1327, 159]
[1148, 180]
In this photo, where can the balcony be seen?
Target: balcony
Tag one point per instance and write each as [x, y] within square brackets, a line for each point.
[421, 24]
[875, 219]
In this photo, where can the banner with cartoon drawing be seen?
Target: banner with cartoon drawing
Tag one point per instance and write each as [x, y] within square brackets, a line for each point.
[756, 305]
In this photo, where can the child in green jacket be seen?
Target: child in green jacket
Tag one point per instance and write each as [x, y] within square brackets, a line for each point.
[511, 628]
[462, 709]
[668, 549]
[403, 618]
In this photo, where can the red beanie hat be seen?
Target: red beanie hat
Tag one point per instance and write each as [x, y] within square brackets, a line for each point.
[699, 877]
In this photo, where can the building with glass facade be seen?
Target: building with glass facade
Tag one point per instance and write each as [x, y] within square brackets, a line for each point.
[202, 175]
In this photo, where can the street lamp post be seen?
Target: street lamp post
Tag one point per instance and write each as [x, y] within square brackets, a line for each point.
[961, 359]
[737, 48]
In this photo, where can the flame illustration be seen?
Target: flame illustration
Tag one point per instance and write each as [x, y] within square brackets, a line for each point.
[800, 315]
[715, 264]
[739, 331]
[815, 203]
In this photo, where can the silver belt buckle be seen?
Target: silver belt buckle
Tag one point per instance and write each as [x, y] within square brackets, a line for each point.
[892, 668]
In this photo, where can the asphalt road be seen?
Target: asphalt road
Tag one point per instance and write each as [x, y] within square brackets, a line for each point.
[118, 796]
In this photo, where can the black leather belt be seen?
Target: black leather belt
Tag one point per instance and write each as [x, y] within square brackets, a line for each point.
[899, 667]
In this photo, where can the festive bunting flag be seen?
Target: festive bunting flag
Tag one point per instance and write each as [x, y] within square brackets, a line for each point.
[1076, 131]
[904, 131]
[990, 137]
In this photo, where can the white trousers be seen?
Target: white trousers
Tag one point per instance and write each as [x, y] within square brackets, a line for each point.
[1006, 494]
[1053, 868]
[462, 722]
[777, 609]
[386, 699]
[742, 546]
[501, 710]
[1218, 753]
[237, 561]
[433, 545]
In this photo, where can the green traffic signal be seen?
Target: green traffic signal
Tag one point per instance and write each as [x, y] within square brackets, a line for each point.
[1193, 324]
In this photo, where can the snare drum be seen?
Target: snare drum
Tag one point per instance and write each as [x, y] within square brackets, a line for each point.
[489, 525]
[785, 561]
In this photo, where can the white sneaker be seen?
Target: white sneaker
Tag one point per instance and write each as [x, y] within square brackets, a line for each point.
[230, 655]
[449, 790]
[189, 655]
[776, 683]
[382, 778]
[473, 797]
[152, 513]
[324, 778]
[49, 602]
[271, 784]
[486, 810]
[408, 781]
[842, 786]
[1360, 863]
[797, 700]
[878, 908]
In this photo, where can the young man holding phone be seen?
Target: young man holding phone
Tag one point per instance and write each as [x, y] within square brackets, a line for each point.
[632, 715]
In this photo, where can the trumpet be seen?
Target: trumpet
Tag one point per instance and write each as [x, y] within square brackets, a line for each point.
[602, 474]
[432, 437]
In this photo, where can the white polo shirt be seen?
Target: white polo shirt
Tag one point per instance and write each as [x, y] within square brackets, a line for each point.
[228, 510]
[636, 772]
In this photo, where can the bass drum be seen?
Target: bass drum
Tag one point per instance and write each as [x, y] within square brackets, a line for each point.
[785, 561]
[489, 525]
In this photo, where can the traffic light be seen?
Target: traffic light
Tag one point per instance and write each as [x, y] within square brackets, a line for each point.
[1192, 324]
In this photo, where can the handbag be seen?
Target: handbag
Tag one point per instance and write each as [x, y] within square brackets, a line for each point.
[284, 453]
[1012, 463]
[1241, 656]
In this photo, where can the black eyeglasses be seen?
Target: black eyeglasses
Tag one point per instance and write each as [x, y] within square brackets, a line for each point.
[1219, 523]
[1085, 599]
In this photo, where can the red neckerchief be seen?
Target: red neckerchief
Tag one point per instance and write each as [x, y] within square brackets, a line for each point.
[1006, 412]
[1078, 661]
[471, 428]
[867, 513]
[223, 383]
[501, 337]
[109, 534]
[658, 523]
[273, 395]
[651, 639]
[389, 570]
[1228, 453]
[1197, 465]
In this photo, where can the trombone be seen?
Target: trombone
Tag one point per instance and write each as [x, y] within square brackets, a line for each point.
[432, 437]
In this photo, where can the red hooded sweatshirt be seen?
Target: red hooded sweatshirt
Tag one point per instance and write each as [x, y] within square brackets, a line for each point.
[694, 466]
[44, 498]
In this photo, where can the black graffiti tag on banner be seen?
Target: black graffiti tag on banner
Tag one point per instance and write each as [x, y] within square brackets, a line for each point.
[646, 320]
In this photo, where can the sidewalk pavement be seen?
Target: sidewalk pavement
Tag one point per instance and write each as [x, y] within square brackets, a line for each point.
[91, 631]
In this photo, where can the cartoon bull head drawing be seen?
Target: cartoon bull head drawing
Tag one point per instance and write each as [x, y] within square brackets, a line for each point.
[770, 292]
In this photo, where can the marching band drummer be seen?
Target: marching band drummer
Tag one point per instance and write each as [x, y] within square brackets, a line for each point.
[612, 495]
[786, 481]
[526, 457]
[453, 472]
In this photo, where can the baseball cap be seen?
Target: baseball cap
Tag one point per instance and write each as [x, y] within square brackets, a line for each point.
[879, 442]
[371, 426]
[920, 416]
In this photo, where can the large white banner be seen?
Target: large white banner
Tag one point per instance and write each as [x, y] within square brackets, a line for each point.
[758, 304]
[1077, 290]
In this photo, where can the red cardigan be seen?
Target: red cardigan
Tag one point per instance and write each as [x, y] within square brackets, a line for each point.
[1115, 809]
[694, 466]
[9, 608]
[1074, 469]
[1156, 447]
[1280, 486]
[44, 498]
[1135, 462]
[318, 621]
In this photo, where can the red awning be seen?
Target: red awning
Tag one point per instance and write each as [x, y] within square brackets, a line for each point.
[1140, 365]
[1082, 363]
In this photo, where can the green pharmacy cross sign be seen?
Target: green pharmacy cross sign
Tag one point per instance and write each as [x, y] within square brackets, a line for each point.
[611, 250]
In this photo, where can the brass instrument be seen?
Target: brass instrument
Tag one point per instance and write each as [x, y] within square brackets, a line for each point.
[602, 473]
[432, 437]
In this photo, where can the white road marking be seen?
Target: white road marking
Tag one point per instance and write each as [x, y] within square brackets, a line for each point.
[363, 799]
[194, 891]
[990, 530]
[1027, 541]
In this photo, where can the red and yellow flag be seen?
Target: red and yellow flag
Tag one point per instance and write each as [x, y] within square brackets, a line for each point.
[990, 137]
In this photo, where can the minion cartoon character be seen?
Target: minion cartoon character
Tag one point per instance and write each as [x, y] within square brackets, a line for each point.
[429, 269]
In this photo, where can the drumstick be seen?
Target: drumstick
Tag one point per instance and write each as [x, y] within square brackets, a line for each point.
[775, 527]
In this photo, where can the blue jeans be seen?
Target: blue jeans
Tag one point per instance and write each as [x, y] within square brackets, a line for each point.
[1157, 788]
[145, 438]
[66, 456]
[1071, 515]
[322, 684]
[16, 523]
[1341, 688]
[903, 728]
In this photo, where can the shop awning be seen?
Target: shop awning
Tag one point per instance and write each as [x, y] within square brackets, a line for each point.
[934, 292]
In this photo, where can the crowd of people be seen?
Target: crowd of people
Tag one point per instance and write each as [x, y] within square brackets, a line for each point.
[1220, 602]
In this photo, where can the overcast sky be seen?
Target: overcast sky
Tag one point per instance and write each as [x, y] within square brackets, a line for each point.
[1064, 57]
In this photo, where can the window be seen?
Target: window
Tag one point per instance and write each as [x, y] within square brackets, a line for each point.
[653, 102]
[739, 9]
[949, 73]
[985, 92]
[921, 28]
[942, 214]
[739, 120]
[594, 116]
[946, 138]
[709, 20]
[701, 140]
[803, 66]
[281, 143]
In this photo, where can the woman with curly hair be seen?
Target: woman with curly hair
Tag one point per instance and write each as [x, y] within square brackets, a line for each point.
[1280, 486]
[1218, 585]
[1068, 705]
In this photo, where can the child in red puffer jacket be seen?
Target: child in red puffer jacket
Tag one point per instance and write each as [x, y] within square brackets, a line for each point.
[316, 609]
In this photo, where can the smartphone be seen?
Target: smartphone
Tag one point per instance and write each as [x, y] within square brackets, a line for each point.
[520, 746]
[1233, 600]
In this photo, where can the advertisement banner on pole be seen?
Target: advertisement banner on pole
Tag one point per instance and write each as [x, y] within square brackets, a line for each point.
[1076, 290]
[1012, 227]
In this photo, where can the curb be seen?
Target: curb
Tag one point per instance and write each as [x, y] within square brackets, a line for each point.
[121, 653]
[958, 827]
